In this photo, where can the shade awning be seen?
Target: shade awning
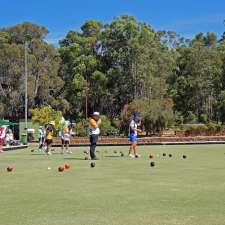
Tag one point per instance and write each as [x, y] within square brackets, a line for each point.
[7, 123]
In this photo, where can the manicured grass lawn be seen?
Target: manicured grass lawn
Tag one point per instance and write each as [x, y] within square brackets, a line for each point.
[118, 191]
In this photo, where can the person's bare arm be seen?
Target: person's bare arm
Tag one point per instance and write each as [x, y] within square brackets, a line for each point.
[138, 130]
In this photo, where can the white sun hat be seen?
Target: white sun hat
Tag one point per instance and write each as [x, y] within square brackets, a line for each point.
[52, 123]
[96, 114]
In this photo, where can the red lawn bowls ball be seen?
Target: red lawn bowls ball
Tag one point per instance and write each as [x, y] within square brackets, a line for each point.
[9, 168]
[61, 168]
[67, 166]
[151, 156]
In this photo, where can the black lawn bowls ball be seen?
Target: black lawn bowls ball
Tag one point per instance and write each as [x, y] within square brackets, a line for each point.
[121, 154]
[152, 164]
[184, 156]
[115, 152]
[92, 164]
[170, 155]
[164, 154]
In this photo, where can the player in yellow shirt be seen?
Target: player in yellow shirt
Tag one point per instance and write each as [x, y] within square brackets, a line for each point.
[94, 131]
[49, 137]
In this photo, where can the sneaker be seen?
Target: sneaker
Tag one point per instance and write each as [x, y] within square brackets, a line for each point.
[69, 152]
[49, 153]
[131, 156]
[41, 150]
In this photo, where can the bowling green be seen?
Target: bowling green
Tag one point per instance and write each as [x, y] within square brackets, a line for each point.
[118, 191]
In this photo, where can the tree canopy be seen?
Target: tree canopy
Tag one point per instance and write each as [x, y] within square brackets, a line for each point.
[113, 67]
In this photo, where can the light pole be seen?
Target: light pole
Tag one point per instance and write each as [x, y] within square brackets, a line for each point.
[86, 103]
[86, 97]
[26, 75]
[27, 38]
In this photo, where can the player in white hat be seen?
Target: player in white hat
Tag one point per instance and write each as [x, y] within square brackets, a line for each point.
[94, 131]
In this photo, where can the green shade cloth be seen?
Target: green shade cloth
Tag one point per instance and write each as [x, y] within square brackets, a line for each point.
[6, 123]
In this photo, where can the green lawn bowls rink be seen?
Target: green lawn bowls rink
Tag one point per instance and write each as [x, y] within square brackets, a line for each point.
[118, 190]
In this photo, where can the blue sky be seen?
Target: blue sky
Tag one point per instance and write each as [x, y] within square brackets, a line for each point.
[185, 17]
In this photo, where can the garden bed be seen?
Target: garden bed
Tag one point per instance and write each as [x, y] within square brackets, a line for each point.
[105, 140]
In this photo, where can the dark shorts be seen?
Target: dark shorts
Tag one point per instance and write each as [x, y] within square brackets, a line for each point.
[48, 141]
[65, 142]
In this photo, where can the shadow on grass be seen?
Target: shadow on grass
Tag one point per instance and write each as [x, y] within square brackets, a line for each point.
[37, 153]
[75, 158]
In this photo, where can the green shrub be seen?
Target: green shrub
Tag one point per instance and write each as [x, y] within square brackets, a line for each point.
[181, 127]
[191, 118]
[45, 115]
[113, 131]
[116, 122]
[179, 118]
[195, 129]
[81, 128]
[203, 118]
[201, 129]
[213, 127]
[107, 128]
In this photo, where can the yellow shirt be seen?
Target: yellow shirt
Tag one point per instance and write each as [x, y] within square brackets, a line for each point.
[93, 123]
[94, 126]
[49, 135]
